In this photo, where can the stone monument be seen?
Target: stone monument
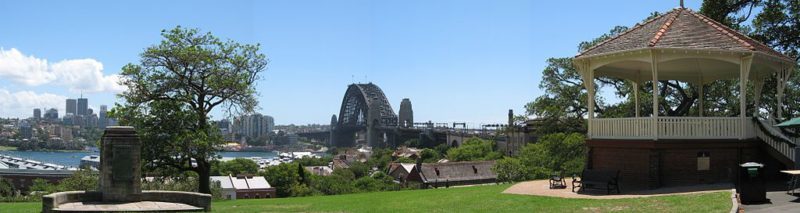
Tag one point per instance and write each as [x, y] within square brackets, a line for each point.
[120, 165]
[120, 182]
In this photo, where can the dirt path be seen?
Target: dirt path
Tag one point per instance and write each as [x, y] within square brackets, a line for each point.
[542, 188]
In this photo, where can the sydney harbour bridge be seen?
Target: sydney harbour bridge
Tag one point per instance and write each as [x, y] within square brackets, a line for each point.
[366, 117]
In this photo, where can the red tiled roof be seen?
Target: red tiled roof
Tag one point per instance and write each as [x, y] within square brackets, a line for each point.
[680, 28]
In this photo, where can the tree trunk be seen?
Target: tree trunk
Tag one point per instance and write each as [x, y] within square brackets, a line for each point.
[204, 175]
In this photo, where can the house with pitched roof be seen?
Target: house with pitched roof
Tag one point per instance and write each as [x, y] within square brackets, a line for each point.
[445, 174]
[244, 187]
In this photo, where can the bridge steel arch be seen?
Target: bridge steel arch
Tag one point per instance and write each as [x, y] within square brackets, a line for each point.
[364, 108]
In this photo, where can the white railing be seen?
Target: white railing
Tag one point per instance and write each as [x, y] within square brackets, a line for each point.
[671, 128]
[621, 128]
[775, 139]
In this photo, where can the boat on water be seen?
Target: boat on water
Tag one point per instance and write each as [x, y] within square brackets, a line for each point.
[90, 161]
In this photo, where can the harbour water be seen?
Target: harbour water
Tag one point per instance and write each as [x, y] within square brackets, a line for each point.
[73, 158]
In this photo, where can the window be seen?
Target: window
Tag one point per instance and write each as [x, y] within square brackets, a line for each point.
[703, 161]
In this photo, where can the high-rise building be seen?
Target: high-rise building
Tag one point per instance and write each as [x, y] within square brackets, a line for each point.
[37, 113]
[25, 130]
[91, 120]
[83, 107]
[51, 114]
[72, 107]
[102, 121]
[254, 126]
[70, 119]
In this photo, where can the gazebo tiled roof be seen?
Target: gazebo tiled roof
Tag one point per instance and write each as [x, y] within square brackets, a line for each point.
[680, 28]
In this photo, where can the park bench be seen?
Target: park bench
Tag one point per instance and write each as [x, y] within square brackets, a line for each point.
[557, 180]
[597, 179]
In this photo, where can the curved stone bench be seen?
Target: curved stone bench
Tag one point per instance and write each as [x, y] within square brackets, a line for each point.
[51, 202]
[191, 198]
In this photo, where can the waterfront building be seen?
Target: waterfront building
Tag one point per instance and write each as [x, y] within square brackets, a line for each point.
[25, 130]
[253, 127]
[66, 133]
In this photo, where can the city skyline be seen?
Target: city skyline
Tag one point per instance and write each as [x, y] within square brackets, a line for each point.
[465, 61]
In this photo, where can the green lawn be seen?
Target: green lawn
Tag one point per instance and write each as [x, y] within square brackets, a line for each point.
[7, 148]
[467, 199]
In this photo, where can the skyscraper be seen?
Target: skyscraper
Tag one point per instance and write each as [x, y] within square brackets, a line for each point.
[102, 121]
[83, 106]
[72, 106]
[37, 113]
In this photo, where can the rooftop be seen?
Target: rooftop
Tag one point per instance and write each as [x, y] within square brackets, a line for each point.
[680, 28]
[242, 182]
[457, 171]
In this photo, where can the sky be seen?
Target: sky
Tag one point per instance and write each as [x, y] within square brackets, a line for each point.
[457, 60]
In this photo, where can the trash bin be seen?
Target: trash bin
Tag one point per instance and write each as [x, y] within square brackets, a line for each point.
[752, 188]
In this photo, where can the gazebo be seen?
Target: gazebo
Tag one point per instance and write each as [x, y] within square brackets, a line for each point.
[659, 151]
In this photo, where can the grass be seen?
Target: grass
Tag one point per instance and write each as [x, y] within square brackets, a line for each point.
[465, 199]
[7, 148]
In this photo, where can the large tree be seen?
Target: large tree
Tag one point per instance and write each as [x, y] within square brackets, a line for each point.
[173, 89]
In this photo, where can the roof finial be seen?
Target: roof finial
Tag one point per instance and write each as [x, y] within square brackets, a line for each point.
[682, 4]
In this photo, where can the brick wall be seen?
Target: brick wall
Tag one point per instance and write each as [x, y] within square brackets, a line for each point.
[632, 164]
[255, 193]
[652, 164]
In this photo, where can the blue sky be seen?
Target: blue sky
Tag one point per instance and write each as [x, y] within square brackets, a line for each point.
[458, 61]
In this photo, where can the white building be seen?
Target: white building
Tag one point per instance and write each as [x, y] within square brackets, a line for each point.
[244, 187]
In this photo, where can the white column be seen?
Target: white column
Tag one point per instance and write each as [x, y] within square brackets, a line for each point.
[702, 93]
[587, 76]
[590, 91]
[782, 78]
[654, 67]
[636, 97]
[702, 99]
[744, 71]
[758, 87]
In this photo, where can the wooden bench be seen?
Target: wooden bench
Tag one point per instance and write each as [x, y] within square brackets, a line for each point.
[597, 179]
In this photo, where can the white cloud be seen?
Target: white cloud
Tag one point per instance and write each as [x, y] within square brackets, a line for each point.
[21, 104]
[77, 75]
